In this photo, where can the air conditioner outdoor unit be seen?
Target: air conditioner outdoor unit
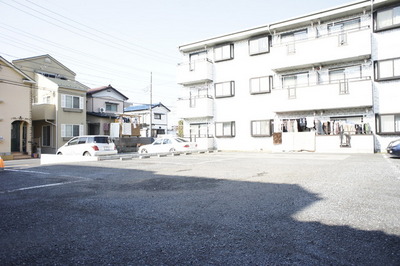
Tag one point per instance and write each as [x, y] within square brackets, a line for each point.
[102, 109]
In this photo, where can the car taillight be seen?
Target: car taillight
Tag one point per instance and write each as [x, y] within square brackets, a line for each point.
[186, 146]
[95, 148]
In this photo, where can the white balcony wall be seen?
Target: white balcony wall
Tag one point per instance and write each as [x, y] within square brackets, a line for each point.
[350, 45]
[195, 72]
[196, 107]
[326, 96]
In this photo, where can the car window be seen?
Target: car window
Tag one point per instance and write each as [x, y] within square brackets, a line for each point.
[157, 142]
[73, 141]
[82, 140]
[167, 141]
[180, 140]
[101, 140]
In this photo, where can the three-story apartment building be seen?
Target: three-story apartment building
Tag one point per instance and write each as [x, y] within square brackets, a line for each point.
[311, 83]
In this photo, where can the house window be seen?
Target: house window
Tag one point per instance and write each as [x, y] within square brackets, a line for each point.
[387, 19]
[224, 52]
[261, 128]
[111, 107]
[46, 136]
[225, 89]
[260, 85]
[388, 124]
[157, 116]
[259, 45]
[225, 129]
[387, 69]
[71, 130]
[291, 82]
[70, 101]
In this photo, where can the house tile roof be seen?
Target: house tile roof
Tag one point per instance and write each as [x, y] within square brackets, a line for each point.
[95, 90]
[144, 107]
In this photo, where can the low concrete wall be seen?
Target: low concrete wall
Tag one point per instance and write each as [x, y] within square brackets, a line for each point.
[59, 159]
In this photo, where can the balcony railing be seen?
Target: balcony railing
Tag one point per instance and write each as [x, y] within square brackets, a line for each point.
[196, 71]
[43, 112]
[341, 94]
[331, 48]
[196, 107]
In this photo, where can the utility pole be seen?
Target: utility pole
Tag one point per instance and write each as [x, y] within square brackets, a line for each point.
[151, 103]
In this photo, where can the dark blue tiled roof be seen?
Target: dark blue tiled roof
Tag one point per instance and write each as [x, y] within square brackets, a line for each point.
[144, 107]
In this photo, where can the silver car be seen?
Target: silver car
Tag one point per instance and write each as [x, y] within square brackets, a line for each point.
[168, 144]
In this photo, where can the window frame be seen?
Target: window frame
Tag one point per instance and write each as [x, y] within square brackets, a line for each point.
[232, 130]
[64, 102]
[232, 89]
[270, 84]
[377, 69]
[269, 130]
[259, 51]
[108, 104]
[392, 26]
[47, 138]
[158, 116]
[396, 124]
[65, 130]
[224, 57]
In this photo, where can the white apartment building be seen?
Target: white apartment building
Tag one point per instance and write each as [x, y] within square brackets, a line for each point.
[324, 82]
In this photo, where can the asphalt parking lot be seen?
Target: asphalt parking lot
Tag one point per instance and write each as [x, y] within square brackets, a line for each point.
[224, 208]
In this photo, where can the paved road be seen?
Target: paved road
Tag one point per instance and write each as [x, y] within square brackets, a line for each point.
[206, 209]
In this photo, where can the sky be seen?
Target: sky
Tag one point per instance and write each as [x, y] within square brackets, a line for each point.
[131, 44]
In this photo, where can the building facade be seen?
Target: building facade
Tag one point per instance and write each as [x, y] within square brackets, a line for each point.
[15, 119]
[104, 104]
[157, 116]
[58, 102]
[312, 83]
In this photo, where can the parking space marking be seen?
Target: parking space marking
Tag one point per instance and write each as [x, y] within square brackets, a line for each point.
[41, 186]
[81, 179]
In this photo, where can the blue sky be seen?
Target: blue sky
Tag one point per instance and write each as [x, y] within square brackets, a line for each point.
[120, 42]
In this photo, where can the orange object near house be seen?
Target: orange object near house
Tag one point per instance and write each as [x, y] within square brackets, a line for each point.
[1, 164]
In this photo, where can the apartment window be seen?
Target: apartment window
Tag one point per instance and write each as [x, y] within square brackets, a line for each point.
[194, 58]
[259, 45]
[70, 101]
[387, 19]
[261, 128]
[46, 99]
[46, 136]
[199, 130]
[387, 69]
[341, 26]
[111, 107]
[294, 36]
[157, 116]
[292, 81]
[225, 129]
[225, 89]
[71, 130]
[224, 52]
[260, 85]
[388, 124]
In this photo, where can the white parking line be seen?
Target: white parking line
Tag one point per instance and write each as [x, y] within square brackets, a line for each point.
[41, 186]
[81, 179]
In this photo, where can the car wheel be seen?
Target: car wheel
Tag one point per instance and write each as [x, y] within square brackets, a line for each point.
[86, 153]
[172, 150]
[143, 151]
[60, 153]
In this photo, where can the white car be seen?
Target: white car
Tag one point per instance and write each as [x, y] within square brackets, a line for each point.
[88, 146]
[168, 144]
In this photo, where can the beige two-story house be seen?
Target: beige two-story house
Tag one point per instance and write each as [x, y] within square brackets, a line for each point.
[59, 102]
[15, 111]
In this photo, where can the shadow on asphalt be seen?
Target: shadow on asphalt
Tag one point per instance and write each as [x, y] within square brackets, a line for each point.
[139, 218]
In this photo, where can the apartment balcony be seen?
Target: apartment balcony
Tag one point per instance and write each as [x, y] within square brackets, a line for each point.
[196, 107]
[328, 49]
[197, 71]
[43, 112]
[343, 94]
